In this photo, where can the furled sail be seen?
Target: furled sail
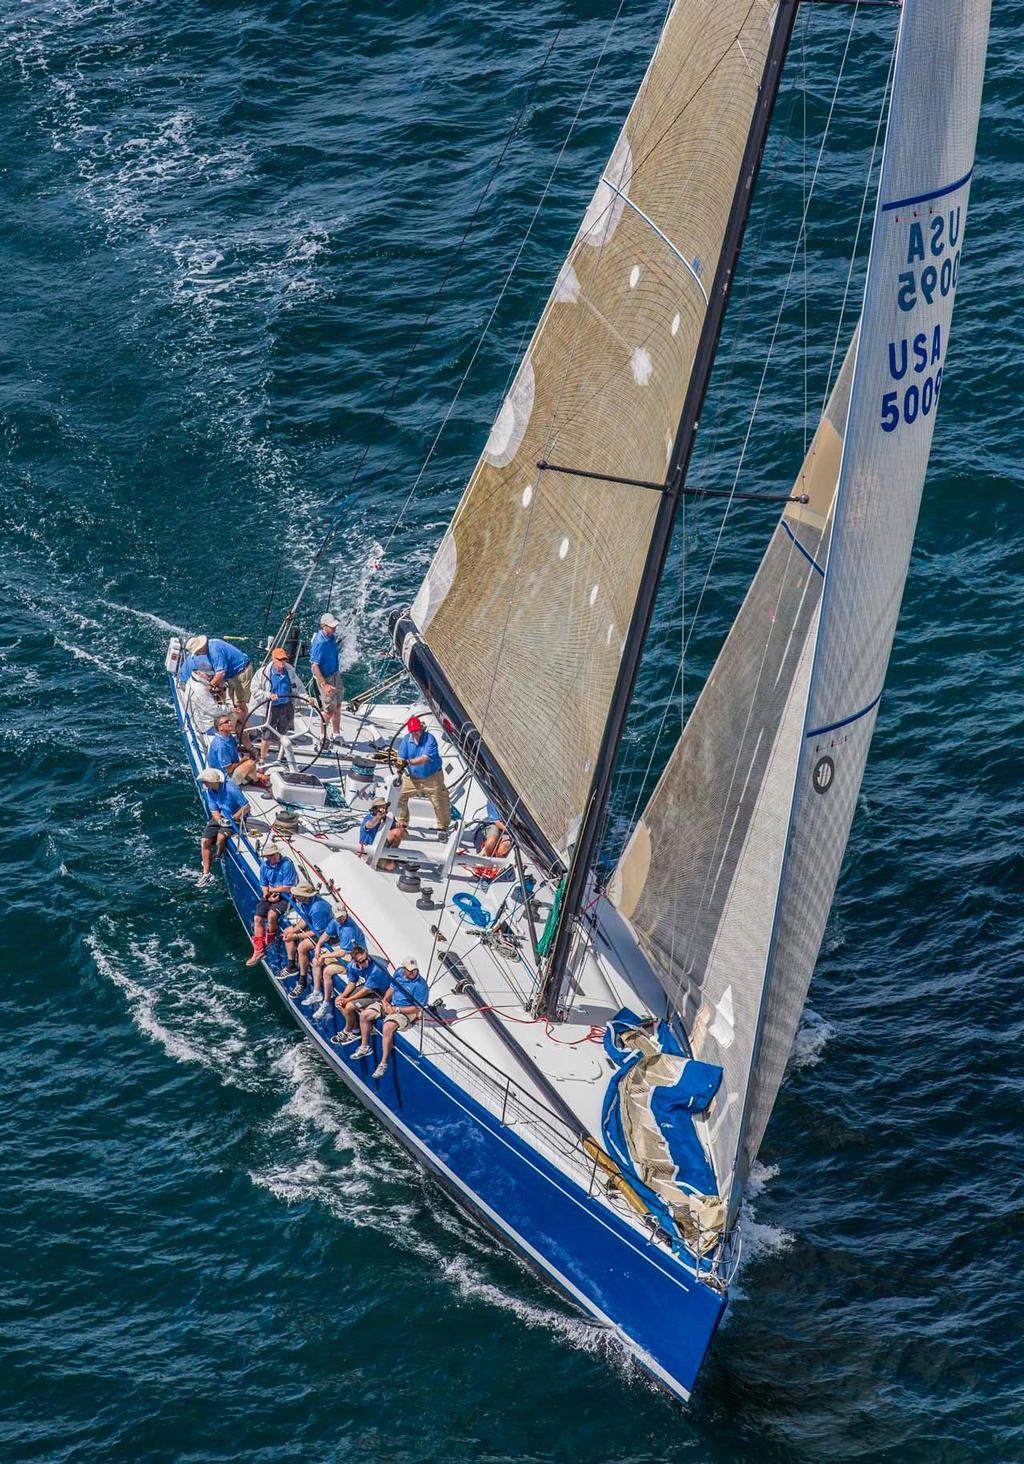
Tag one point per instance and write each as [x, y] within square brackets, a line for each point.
[735, 934]
[530, 594]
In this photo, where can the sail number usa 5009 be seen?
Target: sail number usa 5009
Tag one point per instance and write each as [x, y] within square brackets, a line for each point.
[932, 256]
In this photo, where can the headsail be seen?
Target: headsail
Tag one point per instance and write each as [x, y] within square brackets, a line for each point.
[530, 594]
[738, 959]
[695, 878]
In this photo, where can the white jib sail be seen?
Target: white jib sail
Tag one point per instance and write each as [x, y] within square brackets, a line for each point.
[759, 794]
[913, 269]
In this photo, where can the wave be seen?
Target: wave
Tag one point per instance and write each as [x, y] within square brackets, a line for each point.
[157, 620]
[101, 665]
[174, 1001]
[810, 1041]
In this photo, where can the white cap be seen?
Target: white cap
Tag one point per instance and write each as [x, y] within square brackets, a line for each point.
[213, 776]
[328, 619]
[411, 964]
[195, 643]
[340, 909]
[271, 848]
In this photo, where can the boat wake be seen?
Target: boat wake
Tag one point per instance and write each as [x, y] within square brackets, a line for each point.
[758, 1240]
[178, 1003]
[366, 1180]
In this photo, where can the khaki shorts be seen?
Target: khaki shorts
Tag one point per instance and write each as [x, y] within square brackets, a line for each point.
[371, 1004]
[240, 687]
[401, 1019]
[330, 699]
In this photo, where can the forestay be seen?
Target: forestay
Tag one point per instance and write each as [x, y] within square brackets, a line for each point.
[530, 594]
[742, 988]
[703, 914]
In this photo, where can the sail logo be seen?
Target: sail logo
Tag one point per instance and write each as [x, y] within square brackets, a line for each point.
[823, 775]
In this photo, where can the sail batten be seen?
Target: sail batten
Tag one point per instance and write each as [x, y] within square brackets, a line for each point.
[528, 602]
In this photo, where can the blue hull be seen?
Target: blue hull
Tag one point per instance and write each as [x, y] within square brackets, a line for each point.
[664, 1315]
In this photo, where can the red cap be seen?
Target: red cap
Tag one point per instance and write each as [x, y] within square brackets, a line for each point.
[414, 724]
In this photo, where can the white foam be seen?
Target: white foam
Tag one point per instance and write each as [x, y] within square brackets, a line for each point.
[178, 1004]
[757, 1240]
[82, 655]
[810, 1040]
[156, 620]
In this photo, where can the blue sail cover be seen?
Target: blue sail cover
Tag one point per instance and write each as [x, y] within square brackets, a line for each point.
[672, 1107]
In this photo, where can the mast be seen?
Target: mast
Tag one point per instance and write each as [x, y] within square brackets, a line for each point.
[550, 993]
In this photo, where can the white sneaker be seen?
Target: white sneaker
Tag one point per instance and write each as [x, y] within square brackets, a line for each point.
[321, 1011]
[362, 1051]
[379, 1070]
[311, 998]
[344, 1038]
[205, 880]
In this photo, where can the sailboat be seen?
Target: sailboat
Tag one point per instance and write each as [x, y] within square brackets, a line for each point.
[597, 1062]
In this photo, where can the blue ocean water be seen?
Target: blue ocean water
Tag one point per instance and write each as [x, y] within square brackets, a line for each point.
[224, 224]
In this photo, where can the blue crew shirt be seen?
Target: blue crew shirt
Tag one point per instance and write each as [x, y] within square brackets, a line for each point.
[370, 827]
[374, 975]
[408, 747]
[227, 658]
[223, 752]
[318, 915]
[228, 799]
[194, 663]
[281, 688]
[282, 873]
[324, 653]
[409, 990]
[345, 933]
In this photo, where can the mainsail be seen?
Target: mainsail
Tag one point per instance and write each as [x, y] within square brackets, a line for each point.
[530, 595]
[760, 792]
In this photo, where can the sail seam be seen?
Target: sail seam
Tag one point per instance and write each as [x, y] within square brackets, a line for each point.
[844, 721]
[926, 197]
[660, 233]
[807, 555]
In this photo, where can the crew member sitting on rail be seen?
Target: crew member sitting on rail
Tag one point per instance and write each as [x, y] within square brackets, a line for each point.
[422, 774]
[224, 752]
[277, 878]
[370, 828]
[332, 954]
[325, 663]
[401, 1005]
[226, 803]
[232, 670]
[282, 684]
[309, 918]
[368, 980]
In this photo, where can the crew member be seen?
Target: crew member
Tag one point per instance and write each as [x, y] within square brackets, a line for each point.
[277, 878]
[232, 670]
[228, 809]
[401, 1005]
[422, 774]
[224, 752]
[325, 661]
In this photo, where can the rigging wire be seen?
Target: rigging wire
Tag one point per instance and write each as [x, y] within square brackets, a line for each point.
[799, 245]
[335, 522]
[719, 416]
[507, 280]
